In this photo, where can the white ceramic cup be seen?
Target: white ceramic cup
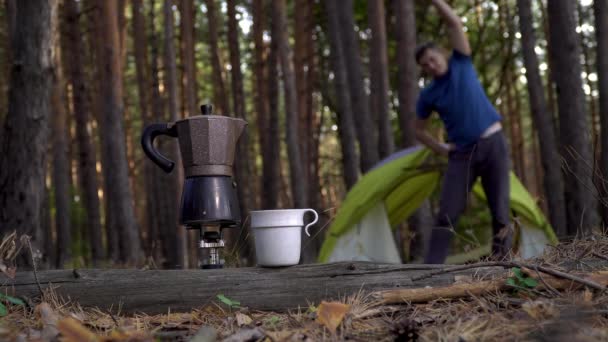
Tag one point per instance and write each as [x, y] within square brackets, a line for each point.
[277, 235]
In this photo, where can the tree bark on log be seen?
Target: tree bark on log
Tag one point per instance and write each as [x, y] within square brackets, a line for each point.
[279, 289]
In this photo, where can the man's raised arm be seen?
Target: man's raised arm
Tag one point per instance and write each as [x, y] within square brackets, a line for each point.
[458, 38]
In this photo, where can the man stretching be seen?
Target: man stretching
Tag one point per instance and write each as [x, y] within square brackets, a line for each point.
[477, 146]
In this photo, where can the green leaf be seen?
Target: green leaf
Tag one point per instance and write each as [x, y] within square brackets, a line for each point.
[511, 282]
[273, 320]
[3, 310]
[12, 300]
[518, 273]
[530, 282]
[231, 303]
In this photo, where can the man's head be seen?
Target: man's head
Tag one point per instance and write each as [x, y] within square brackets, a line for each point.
[431, 59]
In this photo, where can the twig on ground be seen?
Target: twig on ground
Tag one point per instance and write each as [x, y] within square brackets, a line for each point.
[598, 255]
[547, 286]
[29, 245]
[508, 264]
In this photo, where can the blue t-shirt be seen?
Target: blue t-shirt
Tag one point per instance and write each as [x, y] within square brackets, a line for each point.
[460, 101]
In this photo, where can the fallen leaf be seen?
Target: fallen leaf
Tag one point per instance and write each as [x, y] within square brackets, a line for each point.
[73, 331]
[331, 314]
[242, 319]
[587, 297]
[131, 336]
[540, 309]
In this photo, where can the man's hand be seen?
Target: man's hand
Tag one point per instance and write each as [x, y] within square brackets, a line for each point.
[424, 137]
[446, 148]
[458, 38]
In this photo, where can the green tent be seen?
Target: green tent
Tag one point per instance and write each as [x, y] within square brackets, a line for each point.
[388, 194]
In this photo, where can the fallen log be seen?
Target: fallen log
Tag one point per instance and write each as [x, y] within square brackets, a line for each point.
[273, 289]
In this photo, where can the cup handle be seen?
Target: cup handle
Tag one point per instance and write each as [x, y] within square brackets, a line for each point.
[313, 221]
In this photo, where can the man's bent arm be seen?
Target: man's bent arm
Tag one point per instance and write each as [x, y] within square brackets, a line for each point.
[424, 137]
[458, 38]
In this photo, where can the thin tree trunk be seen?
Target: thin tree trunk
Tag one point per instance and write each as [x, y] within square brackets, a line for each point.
[50, 252]
[582, 19]
[160, 246]
[407, 88]
[600, 8]
[366, 134]
[189, 75]
[117, 188]
[512, 123]
[581, 204]
[242, 162]
[142, 67]
[219, 89]
[519, 134]
[407, 74]
[175, 233]
[122, 31]
[292, 133]
[97, 43]
[87, 159]
[346, 126]
[26, 129]
[551, 101]
[305, 68]
[305, 72]
[267, 106]
[378, 61]
[61, 160]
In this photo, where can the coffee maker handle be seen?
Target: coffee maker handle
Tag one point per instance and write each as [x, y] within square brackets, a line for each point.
[147, 143]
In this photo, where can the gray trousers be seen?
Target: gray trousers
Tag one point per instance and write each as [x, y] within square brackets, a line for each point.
[488, 159]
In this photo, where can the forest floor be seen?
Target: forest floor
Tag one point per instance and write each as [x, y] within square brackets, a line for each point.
[532, 307]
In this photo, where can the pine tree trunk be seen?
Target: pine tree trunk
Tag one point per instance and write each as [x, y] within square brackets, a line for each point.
[25, 134]
[600, 8]
[159, 178]
[405, 23]
[575, 142]
[266, 106]
[346, 126]
[50, 252]
[305, 68]
[175, 233]
[421, 221]
[189, 75]
[242, 162]
[118, 189]
[142, 69]
[96, 42]
[519, 136]
[378, 61]
[87, 159]
[292, 133]
[366, 134]
[219, 89]
[61, 160]
[583, 17]
[551, 101]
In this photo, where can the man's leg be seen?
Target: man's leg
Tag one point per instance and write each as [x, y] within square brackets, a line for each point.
[494, 174]
[457, 182]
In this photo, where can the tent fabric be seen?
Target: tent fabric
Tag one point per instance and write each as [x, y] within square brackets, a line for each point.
[364, 244]
[397, 186]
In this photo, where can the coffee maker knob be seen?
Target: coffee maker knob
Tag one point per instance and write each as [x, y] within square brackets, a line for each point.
[206, 109]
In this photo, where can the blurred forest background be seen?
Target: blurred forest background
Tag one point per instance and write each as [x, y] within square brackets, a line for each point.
[328, 88]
